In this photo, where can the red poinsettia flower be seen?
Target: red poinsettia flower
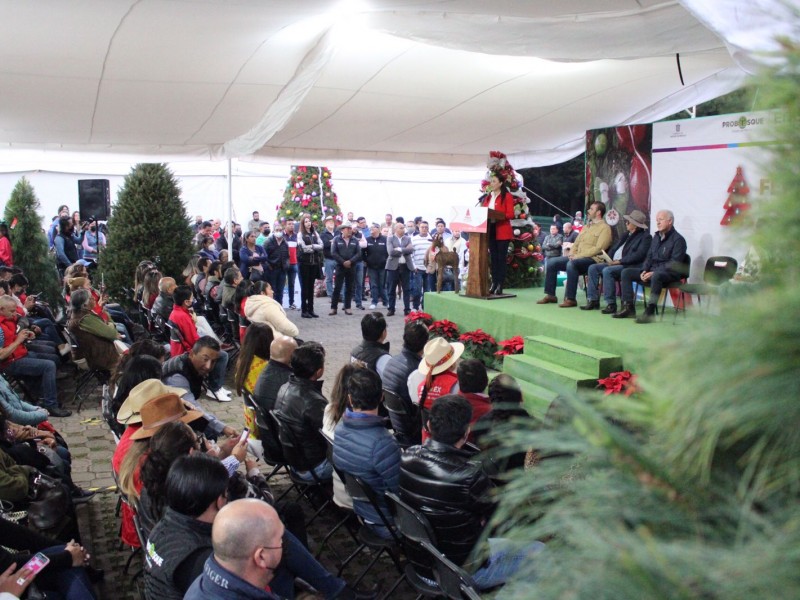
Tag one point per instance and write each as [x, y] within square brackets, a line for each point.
[444, 328]
[618, 383]
[418, 315]
[512, 345]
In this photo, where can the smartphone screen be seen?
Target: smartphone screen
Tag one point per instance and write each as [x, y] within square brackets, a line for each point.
[37, 562]
[245, 433]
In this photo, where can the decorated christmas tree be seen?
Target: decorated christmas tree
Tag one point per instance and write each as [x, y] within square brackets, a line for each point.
[309, 190]
[738, 200]
[29, 244]
[524, 254]
[149, 222]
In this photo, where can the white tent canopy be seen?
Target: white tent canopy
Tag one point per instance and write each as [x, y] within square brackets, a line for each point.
[387, 81]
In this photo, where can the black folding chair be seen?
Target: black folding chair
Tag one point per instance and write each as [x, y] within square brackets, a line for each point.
[360, 491]
[405, 420]
[87, 373]
[454, 582]
[272, 453]
[414, 529]
[108, 416]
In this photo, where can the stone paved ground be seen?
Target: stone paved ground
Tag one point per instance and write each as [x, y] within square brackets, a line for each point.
[92, 447]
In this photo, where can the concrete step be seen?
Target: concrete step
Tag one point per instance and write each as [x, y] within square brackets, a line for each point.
[570, 355]
[547, 374]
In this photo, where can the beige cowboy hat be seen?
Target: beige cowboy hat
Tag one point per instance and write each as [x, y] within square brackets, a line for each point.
[162, 410]
[129, 412]
[637, 218]
[346, 224]
[439, 355]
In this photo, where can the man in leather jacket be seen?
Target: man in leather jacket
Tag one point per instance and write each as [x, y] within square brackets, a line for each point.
[300, 406]
[441, 481]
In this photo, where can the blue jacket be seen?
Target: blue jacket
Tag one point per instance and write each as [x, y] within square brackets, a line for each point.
[635, 249]
[18, 411]
[217, 583]
[364, 447]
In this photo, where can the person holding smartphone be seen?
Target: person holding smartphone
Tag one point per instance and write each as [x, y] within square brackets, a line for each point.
[65, 571]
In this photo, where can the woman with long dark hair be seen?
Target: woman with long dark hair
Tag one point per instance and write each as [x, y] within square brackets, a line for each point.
[6, 255]
[253, 356]
[252, 258]
[309, 248]
[499, 198]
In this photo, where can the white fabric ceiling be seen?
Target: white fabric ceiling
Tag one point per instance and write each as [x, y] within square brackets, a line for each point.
[410, 81]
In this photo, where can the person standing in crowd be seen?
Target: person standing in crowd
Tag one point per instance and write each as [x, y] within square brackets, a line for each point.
[277, 262]
[52, 232]
[347, 254]
[309, 249]
[252, 258]
[264, 234]
[558, 223]
[327, 235]
[291, 272]
[399, 267]
[375, 255]
[570, 235]
[419, 285]
[66, 244]
[499, 198]
[358, 274]
[92, 242]
[6, 255]
[255, 223]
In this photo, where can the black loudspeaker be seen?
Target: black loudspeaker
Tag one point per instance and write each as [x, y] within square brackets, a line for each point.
[94, 199]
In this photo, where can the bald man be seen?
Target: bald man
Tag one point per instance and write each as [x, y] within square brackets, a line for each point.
[248, 544]
[164, 303]
[276, 373]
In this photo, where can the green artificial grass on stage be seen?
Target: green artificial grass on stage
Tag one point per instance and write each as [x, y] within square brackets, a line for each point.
[508, 317]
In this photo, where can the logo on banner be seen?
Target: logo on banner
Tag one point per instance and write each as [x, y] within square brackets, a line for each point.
[743, 122]
[677, 133]
[468, 217]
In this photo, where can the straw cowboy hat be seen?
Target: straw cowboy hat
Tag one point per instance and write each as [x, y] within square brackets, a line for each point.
[439, 355]
[162, 410]
[637, 218]
[129, 412]
[346, 224]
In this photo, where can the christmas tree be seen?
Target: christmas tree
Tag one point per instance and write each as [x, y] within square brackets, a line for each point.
[149, 222]
[29, 243]
[309, 190]
[524, 253]
[738, 200]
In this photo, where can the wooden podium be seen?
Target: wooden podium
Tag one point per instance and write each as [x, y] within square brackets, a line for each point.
[478, 277]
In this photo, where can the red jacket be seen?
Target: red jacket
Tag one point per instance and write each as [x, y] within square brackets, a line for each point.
[481, 405]
[188, 330]
[9, 327]
[505, 204]
[6, 255]
[441, 385]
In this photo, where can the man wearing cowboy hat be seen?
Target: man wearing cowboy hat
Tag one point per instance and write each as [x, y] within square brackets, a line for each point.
[346, 251]
[439, 368]
[629, 251]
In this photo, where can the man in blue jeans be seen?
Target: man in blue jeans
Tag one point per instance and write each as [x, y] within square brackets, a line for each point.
[327, 235]
[16, 360]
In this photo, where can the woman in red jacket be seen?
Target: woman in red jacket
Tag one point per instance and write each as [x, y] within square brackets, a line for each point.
[6, 255]
[500, 199]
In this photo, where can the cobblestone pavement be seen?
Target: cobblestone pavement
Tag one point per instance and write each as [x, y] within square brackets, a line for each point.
[92, 446]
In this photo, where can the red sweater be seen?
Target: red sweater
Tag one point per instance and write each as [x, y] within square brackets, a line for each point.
[441, 385]
[188, 330]
[505, 204]
[9, 327]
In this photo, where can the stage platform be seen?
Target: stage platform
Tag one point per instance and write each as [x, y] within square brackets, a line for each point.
[565, 348]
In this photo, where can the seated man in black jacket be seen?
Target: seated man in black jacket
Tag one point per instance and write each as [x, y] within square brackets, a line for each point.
[300, 406]
[665, 263]
[440, 480]
[373, 351]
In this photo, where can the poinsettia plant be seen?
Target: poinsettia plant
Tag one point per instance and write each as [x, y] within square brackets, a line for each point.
[444, 328]
[513, 345]
[621, 382]
[481, 345]
[418, 315]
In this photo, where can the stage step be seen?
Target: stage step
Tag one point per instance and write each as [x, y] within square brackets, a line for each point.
[575, 356]
[536, 398]
[546, 374]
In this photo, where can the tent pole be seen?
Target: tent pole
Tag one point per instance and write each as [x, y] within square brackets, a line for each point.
[229, 227]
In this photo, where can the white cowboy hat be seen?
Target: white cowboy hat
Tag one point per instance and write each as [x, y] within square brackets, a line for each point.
[439, 355]
[129, 412]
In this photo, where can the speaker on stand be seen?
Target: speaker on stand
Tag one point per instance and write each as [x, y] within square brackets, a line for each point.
[94, 203]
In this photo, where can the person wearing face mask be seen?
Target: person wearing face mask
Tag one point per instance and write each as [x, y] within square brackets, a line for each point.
[277, 264]
[92, 240]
